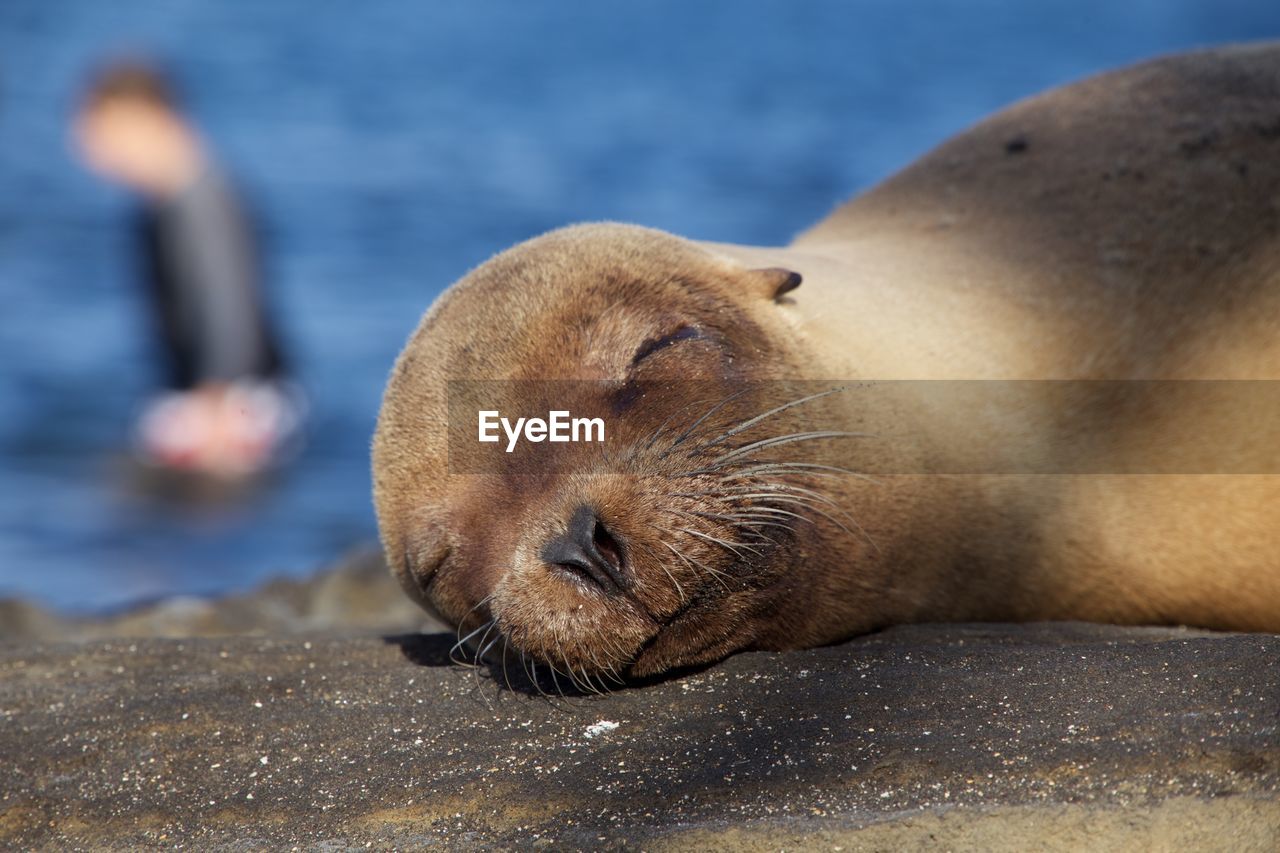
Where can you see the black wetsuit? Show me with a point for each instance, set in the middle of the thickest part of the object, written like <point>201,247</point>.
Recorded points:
<point>204,274</point>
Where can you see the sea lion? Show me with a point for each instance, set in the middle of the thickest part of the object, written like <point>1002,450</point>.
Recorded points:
<point>1122,228</point>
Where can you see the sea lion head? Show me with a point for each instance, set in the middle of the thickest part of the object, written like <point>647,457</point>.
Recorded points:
<point>666,545</point>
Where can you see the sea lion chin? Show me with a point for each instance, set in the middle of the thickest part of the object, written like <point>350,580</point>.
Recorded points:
<point>730,506</point>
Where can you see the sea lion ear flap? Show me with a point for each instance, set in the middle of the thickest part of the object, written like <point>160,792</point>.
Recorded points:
<point>775,282</point>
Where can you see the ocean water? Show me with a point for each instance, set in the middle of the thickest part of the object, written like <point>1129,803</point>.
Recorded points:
<point>389,147</point>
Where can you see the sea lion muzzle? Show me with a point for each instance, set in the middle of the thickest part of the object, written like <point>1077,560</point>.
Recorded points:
<point>588,552</point>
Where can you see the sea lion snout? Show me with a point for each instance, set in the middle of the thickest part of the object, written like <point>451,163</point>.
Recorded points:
<point>589,552</point>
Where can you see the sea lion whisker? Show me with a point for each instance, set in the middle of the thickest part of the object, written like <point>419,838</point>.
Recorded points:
<point>726,401</point>
<point>480,657</point>
<point>731,518</point>
<point>554,680</point>
<point>808,469</point>
<point>763,502</point>
<point>607,672</point>
<point>461,640</point>
<point>762,511</point>
<point>747,424</point>
<point>531,670</point>
<point>584,672</point>
<point>482,644</point>
<point>574,685</point>
<point>714,516</point>
<point>759,492</point>
<point>533,676</point>
<point>506,676</point>
<point>755,519</point>
<point>715,573</point>
<point>776,441</point>
<point>653,437</point>
<point>776,493</point>
<point>565,661</point>
<point>734,491</point>
<point>585,678</point>
<point>807,503</point>
<point>755,522</point>
<point>663,566</point>
<point>581,678</point>
<point>811,500</point>
<point>575,677</point>
<point>789,514</point>
<point>481,650</point>
<point>570,674</point>
<point>613,652</point>
<point>731,546</point>
<point>483,653</point>
<point>481,603</point>
<point>730,495</point>
<point>800,491</point>
<point>694,565</point>
<point>838,523</point>
<point>458,646</point>
<point>710,493</point>
<point>753,529</point>
<point>813,468</point>
<point>758,520</point>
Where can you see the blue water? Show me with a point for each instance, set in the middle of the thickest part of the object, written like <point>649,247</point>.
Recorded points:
<point>392,145</point>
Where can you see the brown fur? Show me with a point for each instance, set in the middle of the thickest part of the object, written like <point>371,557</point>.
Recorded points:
<point>1124,227</point>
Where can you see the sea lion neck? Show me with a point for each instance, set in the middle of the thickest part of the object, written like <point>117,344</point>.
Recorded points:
<point>892,293</point>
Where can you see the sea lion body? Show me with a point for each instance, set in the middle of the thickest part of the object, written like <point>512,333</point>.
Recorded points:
<point>1122,228</point>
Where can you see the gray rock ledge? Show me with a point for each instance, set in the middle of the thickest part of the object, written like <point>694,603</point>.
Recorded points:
<point>1047,736</point>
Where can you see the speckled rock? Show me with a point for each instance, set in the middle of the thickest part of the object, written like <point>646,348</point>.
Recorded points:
<point>1039,736</point>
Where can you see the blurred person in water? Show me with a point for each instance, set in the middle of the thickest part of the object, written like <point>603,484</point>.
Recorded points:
<point>228,408</point>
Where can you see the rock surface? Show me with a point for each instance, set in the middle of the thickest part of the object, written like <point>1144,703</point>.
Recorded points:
<point>356,594</point>
<point>1051,736</point>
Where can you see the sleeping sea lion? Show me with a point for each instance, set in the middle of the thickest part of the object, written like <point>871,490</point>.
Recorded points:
<point>1026,378</point>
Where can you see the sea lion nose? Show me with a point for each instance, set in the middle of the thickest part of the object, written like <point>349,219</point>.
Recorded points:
<point>588,550</point>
